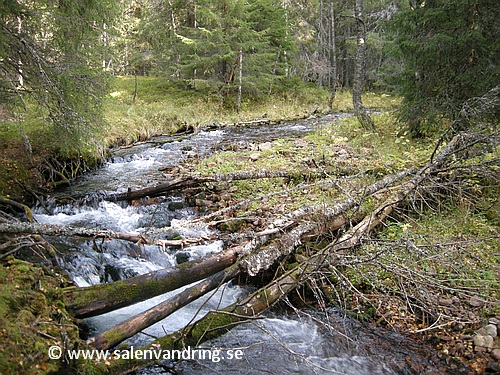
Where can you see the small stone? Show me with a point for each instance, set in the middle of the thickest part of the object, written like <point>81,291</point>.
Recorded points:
<point>460,348</point>
<point>494,321</point>
<point>173,206</point>
<point>489,329</point>
<point>300,143</point>
<point>480,341</point>
<point>479,349</point>
<point>265,146</point>
<point>182,257</point>
<point>255,156</point>
<point>475,301</point>
<point>455,299</point>
<point>495,354</point>
<point>493,368</point>
<point>445,302</point>
<point>490,341</point>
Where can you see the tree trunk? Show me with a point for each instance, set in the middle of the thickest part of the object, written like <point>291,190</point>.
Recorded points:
<point>130,327</point>
<point>102,298</point>
<point>359,73</point>
<point>240,78</point>
<point>333,52</point>
<point>215,323</point>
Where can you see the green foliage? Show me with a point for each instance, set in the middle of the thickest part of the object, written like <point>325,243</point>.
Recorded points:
<point>201,42</point>
<point>450,51</point>
<point>50,64</point>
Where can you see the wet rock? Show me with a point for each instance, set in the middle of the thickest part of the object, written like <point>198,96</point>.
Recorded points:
<point>475,301</point>
<point>182,257</point>
<point>173,206</point>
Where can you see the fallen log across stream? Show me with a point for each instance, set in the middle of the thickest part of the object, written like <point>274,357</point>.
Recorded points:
<point>265,251</point>
<point>190,181</point>
<point>219,322</point>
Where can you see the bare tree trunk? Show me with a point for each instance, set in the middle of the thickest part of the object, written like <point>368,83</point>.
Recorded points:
<point>333,52</point>
<point>240,78</point>
<point>359,73</point>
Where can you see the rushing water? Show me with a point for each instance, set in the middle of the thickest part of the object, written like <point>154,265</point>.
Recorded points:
<point>278,344</point>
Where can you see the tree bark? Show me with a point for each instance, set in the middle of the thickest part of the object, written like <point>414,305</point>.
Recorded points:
<point>130,327</point>
<point>359,73</point>
<point>216,323</point>
<point>333,52</point>
<point>102,298</point>
<point>61,230</point>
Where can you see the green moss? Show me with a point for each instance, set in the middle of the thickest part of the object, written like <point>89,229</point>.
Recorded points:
<point>31,319</point>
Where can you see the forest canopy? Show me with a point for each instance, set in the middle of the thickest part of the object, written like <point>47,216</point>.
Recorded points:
<point>57,55</point>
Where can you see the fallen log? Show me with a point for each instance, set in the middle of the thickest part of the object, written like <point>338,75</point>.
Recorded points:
<point>193,180</point>
<point>215,323</point>
<point>156,191</point>
<point>130,327</point>
<point>19,206</point>
<point>102,298</point>
<point>63,230</point>
<point>67,230</point>
<point>323,217</point>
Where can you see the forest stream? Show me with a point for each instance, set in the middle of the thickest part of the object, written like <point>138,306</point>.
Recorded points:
<point>302,342</point>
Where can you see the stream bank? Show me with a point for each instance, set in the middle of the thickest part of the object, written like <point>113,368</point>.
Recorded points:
<point>91,266</point>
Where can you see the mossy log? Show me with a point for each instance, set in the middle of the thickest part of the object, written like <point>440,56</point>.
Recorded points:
<point>131,326</point>
<point>215,323</point>
<point>102,298</point>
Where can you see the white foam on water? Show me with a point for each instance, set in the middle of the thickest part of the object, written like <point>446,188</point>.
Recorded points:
<point>220,298</point>
<point>108,215</point>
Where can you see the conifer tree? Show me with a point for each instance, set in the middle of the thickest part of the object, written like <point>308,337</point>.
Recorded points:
<point>450,51</point>
<point>51,57</point>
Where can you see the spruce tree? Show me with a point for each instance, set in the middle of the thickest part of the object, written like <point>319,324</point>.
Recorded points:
<point>450,51</point>
<point>51,58</point>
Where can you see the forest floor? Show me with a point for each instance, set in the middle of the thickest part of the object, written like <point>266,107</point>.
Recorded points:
<point>459,236</point>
